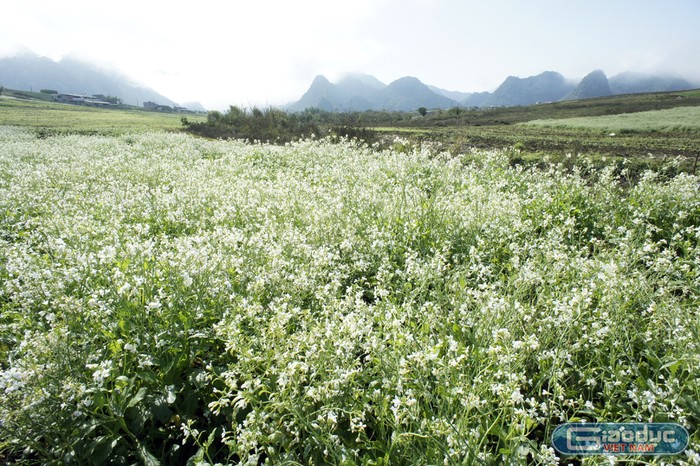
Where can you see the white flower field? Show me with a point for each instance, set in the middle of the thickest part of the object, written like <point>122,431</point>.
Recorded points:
<point>165,299</point>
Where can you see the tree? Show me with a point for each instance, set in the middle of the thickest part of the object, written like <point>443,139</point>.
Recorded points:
<point>256,124</point>
<point>110,98</point>
<point>1,89</point>
<point>423,111</point>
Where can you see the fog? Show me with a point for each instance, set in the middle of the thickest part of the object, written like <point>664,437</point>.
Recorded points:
<point>267,52</point>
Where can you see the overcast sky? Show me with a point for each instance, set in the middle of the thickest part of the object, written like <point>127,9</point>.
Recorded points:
<point>266,52</point>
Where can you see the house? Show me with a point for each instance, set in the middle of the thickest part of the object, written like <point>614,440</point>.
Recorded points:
<point>154,106</point>
<point>70,98</point>
<point>77,99</point>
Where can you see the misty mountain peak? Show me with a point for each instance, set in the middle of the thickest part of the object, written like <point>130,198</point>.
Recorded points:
<point>594,84</point>
<point>548,86</point>
<point>360,92</point>
<point>320,80</point>
<point>406,82</point>
<point>27,71</point>
<point>361,78</point>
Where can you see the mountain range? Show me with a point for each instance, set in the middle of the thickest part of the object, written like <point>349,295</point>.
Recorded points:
<point>353,92</point>
<point>28,71</point>
<point>359,92</point>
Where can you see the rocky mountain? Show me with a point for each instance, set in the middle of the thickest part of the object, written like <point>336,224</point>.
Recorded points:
<point>360,85</point>
<point>407,94</point>
<point>363,92</point>
<point>359,92</point>
<point>324,95</point>
<point>545,87</point>
<point>29,71</point>
<point>594,84</point>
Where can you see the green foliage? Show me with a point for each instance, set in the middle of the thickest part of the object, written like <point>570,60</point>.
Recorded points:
<point>269,125</point>
<point>170,299</point>
<point>423,111</point>
<point>365,135</point>
<point>49,91</point>
<point>110,98</point>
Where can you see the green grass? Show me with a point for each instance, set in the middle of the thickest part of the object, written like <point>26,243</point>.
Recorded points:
<point>167,299</point>
<point>649,129</point>
<point>56,118</point>
<point>670,120</point>
<point>629,103</point>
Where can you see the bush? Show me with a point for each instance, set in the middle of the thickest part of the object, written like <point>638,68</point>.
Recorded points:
<point>269,125</point>
<point>365,135</point>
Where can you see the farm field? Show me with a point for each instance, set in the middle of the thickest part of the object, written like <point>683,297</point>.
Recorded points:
<point>642,140</point>
<point>649,130</point>
<point>50,118</point>
<point>166,298</point>
<point>675,119</point>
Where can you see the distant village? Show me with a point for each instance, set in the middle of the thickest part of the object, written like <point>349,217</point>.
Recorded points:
<point>89,100</point>
<point>103,101</point>
<point>165,108</point>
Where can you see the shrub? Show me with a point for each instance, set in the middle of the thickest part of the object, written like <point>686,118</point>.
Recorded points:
<point>269,125</point>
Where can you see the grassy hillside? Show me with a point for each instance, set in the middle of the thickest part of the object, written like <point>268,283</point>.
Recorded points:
<point>674,119</point>
<point>55,117</point>
<point>612,105</point>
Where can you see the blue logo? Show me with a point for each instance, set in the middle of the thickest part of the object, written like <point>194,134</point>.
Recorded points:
<point>620,438</point>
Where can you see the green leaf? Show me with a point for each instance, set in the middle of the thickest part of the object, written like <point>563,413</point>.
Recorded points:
<point>162,413</point>
<point>140,395</point>
<point>197,458</point>
<point>673,366</point>
<point>210,439</point>
<point>146,456</point>
<point>121,382</point>
<point>103,448</point>
<point>147,376</point>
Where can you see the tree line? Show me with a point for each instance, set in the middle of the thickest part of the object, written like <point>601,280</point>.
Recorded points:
<point>264,125</point>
